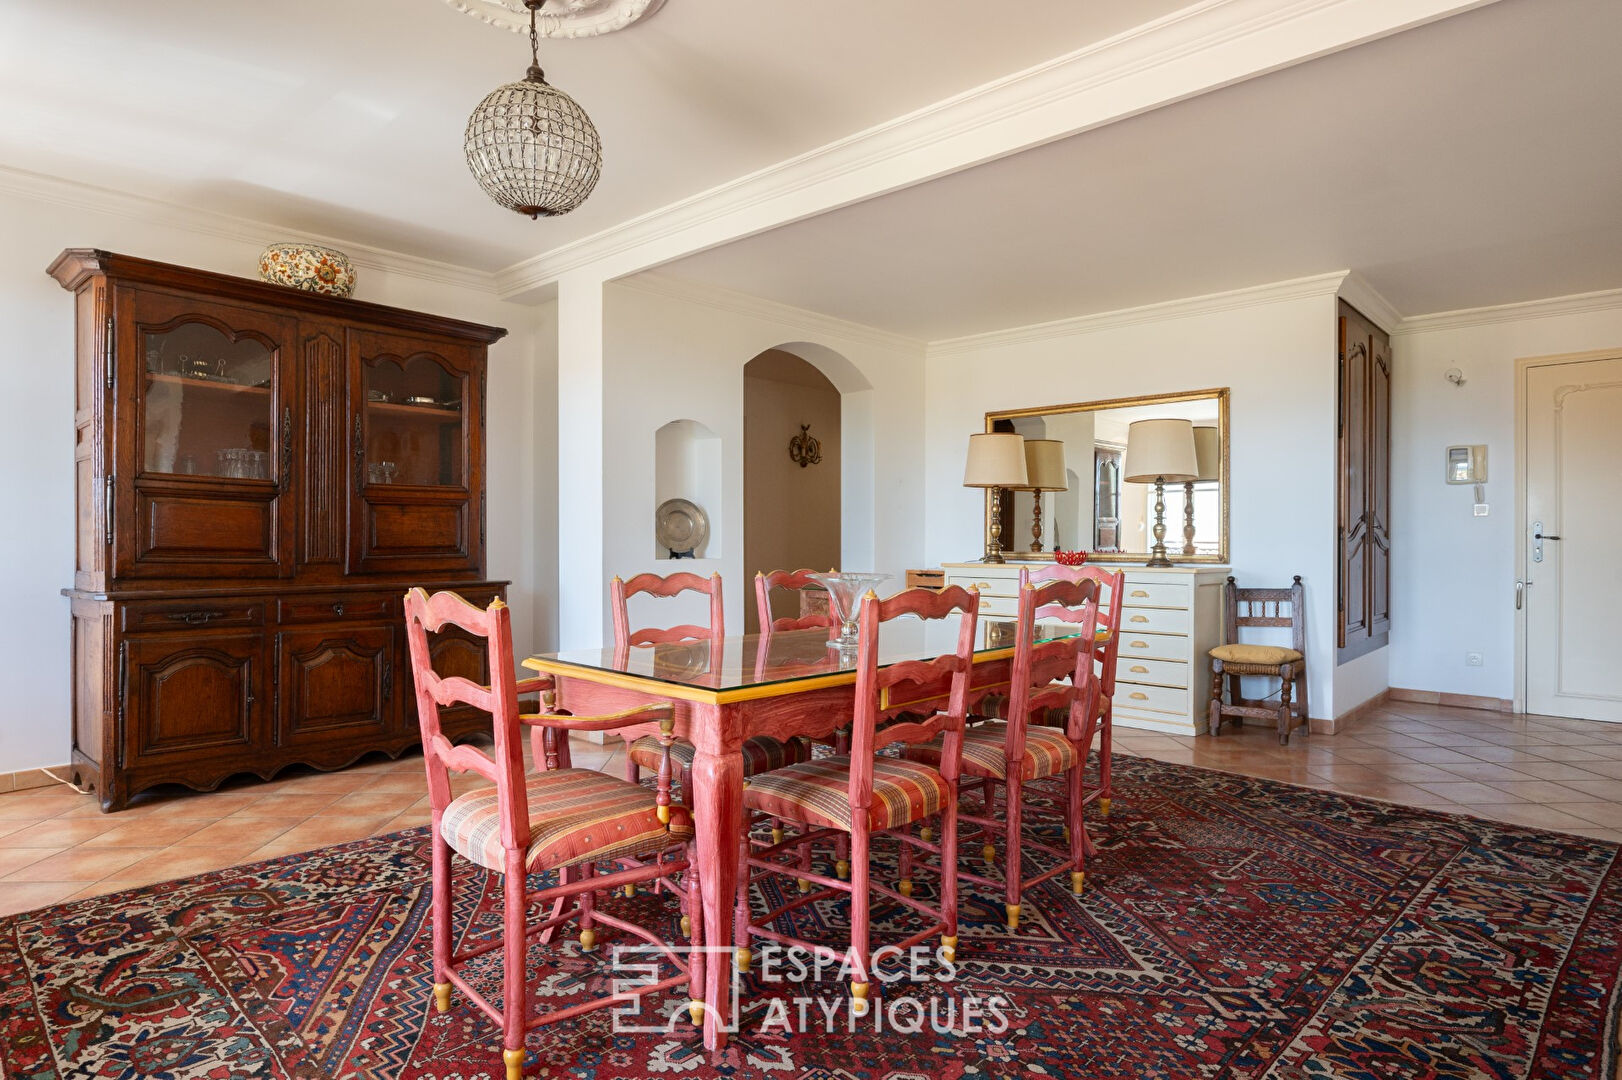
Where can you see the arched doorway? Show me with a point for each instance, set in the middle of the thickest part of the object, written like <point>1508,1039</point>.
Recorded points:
<point>792,510</point>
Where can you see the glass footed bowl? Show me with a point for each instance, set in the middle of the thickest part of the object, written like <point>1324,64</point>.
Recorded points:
<point>845,592</point>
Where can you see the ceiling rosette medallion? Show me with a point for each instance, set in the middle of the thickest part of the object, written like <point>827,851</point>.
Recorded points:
<point>561,18</point>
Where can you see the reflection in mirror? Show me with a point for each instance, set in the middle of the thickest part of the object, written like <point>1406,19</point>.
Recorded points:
<point>1095,509</point>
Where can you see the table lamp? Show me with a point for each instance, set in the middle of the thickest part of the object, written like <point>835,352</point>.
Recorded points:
<point>1158,451</point>
<point>1044,471</point>
<point>1208,456</point>
<point>996,461</point>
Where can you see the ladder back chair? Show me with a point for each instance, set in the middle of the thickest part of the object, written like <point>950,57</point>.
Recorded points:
<point>793,580</point>
<point>562,819</point>
<point>1049,678</point>
<point>861,795</point>
<point>1107,642</point>
<point>1262,607</point>
<point>760,752</point>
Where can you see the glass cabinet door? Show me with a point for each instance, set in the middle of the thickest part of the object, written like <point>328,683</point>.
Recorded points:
<point>414,423</point>
<point>417,475</point>
<point>209,442</point>
<point>207,408</point>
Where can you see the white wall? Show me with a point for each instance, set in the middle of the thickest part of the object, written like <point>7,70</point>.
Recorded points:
<point>668,354</point>
<point>1453,574</point>
<point>36,442</point>
<point>1278,359</point>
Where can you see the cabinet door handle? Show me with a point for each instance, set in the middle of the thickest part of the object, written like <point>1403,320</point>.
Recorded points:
<point>249,680</point>
<point>1139,618</point>
<point>360,456</point>
<point>1139,592</point>
<point>108,484</point>
<point>107,349</point>
<point>287,448</point>
<point>195,618</point>
<point>1139,669</point>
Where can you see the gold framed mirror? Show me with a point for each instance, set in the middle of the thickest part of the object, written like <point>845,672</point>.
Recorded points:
<point>1096,509</point>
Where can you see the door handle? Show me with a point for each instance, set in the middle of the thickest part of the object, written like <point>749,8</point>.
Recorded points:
<point>1545,536</point>
<point>1520,594</point>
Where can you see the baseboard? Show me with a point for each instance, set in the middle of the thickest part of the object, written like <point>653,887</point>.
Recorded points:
<point>1354,714</point>
<point>1455,701</point>
<point>32,778</point>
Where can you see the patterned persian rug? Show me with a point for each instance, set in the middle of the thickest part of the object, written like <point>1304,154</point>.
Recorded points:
<point>1231,928</point>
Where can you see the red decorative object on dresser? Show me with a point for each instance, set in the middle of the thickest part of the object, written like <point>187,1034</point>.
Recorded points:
<point>261,473</point>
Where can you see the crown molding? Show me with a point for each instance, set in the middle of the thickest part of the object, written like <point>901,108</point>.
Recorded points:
<point>814,324</point>
<point>1277,292</point>
<point>1553,307</point>
<point>1203,47</point>
<point>57,191</point>
<point>1357,291</point>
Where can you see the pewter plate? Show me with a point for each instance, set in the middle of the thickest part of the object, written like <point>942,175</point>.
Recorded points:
<point>680,525</point>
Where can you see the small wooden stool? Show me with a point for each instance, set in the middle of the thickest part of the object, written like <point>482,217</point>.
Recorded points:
<point>1262,607</point>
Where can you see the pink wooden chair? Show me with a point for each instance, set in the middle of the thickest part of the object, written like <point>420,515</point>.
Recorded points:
<point>1048,677</point>
<point>797,581</point>
<point>860,795</point>
<point>558,819</point>
<point>760,753</point>
<point>1108,641</point>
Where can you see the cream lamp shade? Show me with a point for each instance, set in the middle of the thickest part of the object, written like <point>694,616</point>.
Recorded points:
<point>1160,450</point>
<point>1044,465</point>
<point>1208,453</point>
<point>996,460</point>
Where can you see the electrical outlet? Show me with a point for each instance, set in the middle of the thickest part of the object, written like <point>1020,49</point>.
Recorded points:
<point>1473,659</point>
<point>1479,509</point>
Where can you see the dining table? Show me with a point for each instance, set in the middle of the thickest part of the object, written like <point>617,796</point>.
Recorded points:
<point>727,689</point>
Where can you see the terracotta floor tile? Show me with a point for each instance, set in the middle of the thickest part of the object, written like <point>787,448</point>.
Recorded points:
<point>1486,771</point>
<point>276,849</point>
<point>38,803</point>
<point>13,859</point>
<point>1598,789</point>
<point>1530,815</point>
<point>181,862</point>
<point>1467,792</point>
<point>288,806</point>
<point>1612,769</point>
<point>1556,770</point>
<point>371,804</point>
<point>82,864</point>
<point>320,832</point>
<point>242,834</point>
<point>1384,790</point>
<point>1437,755</point>
<point>106,886</point>
<point>20,896</point>
<point>1348,773</point>
<point>1543,791</point>
<point>1416,771</point>
<point>401,823</point>
<point>1578,754</point>
<point>1607,815</point>
<point>60,832</point>
<point>147,833</point>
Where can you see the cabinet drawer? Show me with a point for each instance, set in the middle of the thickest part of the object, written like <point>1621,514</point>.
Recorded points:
<point>1154,620</point>
<point>1151,698</point>
<point>1002,607</point>
<point>1156,594</point>
<point>1137,669</point>
<point>373,606</point>
<point>179,614</point>
<point>1152,647</point>
<point>989,585</point>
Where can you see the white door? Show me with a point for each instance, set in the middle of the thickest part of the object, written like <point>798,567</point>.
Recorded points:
<point>1573,528</point>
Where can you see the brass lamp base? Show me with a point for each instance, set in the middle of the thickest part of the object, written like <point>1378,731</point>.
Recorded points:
<point>1157,554</point>
<point>994,540</point>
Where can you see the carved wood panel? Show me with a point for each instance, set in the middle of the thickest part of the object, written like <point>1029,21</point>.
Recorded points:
<point>192,695</point>
<point>325,447</point>
<point>335,683</point>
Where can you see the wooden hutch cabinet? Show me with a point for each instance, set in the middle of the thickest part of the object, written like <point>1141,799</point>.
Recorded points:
<point>261,473</point>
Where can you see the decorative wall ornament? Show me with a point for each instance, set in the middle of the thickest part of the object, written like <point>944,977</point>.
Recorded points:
<point>561,18</point>
<point>530,146</point>
<point>805,449</point>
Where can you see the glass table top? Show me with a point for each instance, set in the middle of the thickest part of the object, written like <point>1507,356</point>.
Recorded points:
<point>785,656</point>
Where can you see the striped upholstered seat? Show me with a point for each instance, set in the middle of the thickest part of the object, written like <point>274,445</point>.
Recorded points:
<point>818,792</point>
<point>575,816</point>
<point>760,754</point>
<point>1047,752</point>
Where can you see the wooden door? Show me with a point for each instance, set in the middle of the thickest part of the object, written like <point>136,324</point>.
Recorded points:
<point>416,455</point>
<point>1356,334</point>
<point>336,684</point>
<point>1573,585</point>
<point>204,431</point>
<point>193,697</point>
<point>1379,485</point>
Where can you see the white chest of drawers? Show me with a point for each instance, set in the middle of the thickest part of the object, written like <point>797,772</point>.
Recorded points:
<point>1170,619</point>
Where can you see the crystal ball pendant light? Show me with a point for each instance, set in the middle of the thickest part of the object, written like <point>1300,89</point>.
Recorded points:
<point>530,146</point>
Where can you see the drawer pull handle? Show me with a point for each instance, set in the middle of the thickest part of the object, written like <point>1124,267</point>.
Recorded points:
<point>1138,644</point>
<point>981,585</point>
<point>1136,696</point>
<point>1139,669</point>
<point>1139,592</point>
<point>1139,618</point>
<point>195,618</point>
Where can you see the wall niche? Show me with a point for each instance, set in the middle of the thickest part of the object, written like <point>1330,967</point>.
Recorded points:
<point>687,465</point>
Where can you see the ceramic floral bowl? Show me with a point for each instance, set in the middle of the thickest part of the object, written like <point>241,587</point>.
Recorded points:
<point>309,267</point>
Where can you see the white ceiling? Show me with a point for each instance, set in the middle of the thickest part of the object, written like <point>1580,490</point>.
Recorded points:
<point>1472,162</point>
<point>345,117</point>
